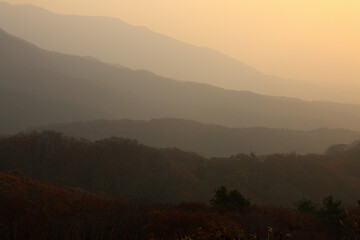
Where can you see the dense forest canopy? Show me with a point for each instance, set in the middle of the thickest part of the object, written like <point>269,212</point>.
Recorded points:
<point>124,168</point>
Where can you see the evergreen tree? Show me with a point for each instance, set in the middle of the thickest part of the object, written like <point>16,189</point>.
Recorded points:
<point>234,197</point>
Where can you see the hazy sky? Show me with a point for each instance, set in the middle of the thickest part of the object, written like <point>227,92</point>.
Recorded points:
<point>303,39</point>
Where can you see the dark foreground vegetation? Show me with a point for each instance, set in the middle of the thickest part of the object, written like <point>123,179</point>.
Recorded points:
<point>123,168</point>
<point>30,209</point>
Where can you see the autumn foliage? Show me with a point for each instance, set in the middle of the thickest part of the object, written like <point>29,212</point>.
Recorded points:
<point>137,192</point>
<point>30,209</point>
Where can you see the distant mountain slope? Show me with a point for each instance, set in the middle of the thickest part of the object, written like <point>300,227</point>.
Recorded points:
<point>112,40</point>
<point>18,111</point>
<point>209,140</point>
<point>122,93</point>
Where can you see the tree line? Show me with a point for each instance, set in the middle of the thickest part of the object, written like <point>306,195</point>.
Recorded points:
<point>126,169</point>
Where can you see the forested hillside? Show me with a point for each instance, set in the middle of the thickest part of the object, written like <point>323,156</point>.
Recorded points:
<point>31,209</point>
<point>124,168</point>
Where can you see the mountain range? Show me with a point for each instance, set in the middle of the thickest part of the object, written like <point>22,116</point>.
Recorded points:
<point>109,130</point>
<point>114,92</point>
<point>114,41</point>
<point>209,140</point>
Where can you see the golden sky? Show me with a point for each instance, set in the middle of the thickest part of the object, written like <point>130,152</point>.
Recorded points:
<point>302,39</point>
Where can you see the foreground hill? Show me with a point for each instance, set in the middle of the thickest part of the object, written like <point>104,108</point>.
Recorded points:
<point>112,40</point>
<point>122,93</point>
<point>126,169</point>
<point>209,140</point>
<point>35,210</point>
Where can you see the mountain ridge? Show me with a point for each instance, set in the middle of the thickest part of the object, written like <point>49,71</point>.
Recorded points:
<point>141,95</point>
<point>207,139</point>
<point>112,40</point>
